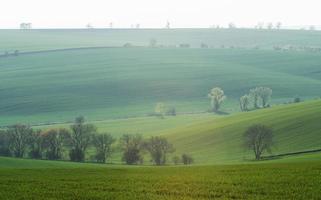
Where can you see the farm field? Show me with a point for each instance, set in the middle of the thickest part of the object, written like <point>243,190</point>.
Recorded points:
<point>214,139</point>
<point>118,83</point>
<point>290,180</point>
<point>58,75</point>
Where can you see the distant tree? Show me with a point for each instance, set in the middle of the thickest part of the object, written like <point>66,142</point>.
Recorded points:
<point>217,97</point>
<point>127,45</point>
<point>160,109</point>
<point>171,111</point>
<point>176,160</point>
<point>270,25</point>
<point>4,143</point>
<point>254,93</point>
<point>80,137</point>
<point>131,146</point>
<point>168,25</point>
<point>19,137</point>
<point>158,147</point>
<point>259,25</point>
<point>278,25</point>
<point>36,143</point>
<point>297,100</point>
<point>102,143</point>
<point>204,46</point>
<point>258,138</point>
<point>187,159</point>
<point>54,141</point>
<point>16,53</point>
<point>312,28</point>
<point>245,102</point>
<point>153,43</point>
<point>265,94</point>
<point>231,25</point>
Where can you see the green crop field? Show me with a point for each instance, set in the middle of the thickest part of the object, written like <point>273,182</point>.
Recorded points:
<point>61,74</point>
<point>127,82</point>
<point>290,180</point>
<point>218,139</point>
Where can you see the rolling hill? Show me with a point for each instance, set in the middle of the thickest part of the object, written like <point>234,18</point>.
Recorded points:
<point>296,128</point>
<point>49,39</point>
<point>111,83</point>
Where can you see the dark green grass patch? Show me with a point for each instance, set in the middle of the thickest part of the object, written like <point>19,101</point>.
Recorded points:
<point>266,181</point>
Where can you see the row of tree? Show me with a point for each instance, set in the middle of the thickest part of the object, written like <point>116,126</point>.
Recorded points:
<point>260,97</point>
<point>23,141</point>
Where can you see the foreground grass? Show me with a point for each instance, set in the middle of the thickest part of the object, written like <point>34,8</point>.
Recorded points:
<point>263,181</point>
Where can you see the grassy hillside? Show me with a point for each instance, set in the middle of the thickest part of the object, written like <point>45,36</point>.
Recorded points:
<point>263,181</point>
<point>35,40</point>
<point>296,128</point>
<point>127,82</point>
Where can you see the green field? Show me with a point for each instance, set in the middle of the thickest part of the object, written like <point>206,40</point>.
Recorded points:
<point>214,139</point>
<point>128,82</point>
<point>61,74</point>
<point>84,181</point>
<point>37,40</point>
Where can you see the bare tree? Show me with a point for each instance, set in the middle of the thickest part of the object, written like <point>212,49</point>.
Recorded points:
<point>255,95</point>
<point>131,146</point>
<point>160,110</point>
<point>187,159</point>
<point>270,25</point>
<point>231,25</point>
<point>278,25</point>
<point>258,138</point>
<point>245,102</point>
<point>80,137</point>
<point>36,142</point>
<point>19,137</point>
<point>158,147</point>
<point>153,43</point>
<point>265,94</point>
<point>103,143</point>
<point>4,143</point>
<point>54,141</point>
<point>217,97</point>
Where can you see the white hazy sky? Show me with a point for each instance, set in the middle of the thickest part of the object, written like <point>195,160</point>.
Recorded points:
<point>155,13</point>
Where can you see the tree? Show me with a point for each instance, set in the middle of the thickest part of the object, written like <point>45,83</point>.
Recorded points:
<point>160,109</point>
<point>36,142</point>
<point>171,111</point>
<point>244,102</point>
<point>158,147</point>
<point>187,159</point>
<point>4,143</point>
<point>131,146</point>
<point>258,138</point>
<point>270,26</point>
<point>217,97</point>
<point>176,160</point>
<point>255,95</point>
<point>231,25</point>
<point>278,25</point>
<point>81,134</point>
<point>19,137</point>
<point>54,141</point>
<point>265,94</point>
<point>102,143</point>
<point>153,43</point>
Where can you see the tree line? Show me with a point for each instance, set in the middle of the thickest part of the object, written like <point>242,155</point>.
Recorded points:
<point>259,97</point>
<point>22,141</point>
